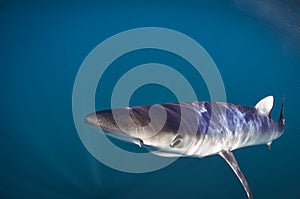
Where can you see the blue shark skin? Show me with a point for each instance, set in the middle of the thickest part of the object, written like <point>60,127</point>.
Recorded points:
<point>195,129</point>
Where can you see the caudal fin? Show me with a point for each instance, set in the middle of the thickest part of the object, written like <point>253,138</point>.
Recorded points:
<point>282,119</point>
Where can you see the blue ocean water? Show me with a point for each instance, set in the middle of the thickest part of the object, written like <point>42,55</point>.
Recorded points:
<point>255,45</point>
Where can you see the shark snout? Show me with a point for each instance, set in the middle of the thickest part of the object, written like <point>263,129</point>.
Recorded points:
<point>103,119</point>
<point>92,119</point>
<point>106,121</point>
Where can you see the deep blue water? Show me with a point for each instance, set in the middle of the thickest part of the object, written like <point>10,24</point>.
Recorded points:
<point>256,46</point>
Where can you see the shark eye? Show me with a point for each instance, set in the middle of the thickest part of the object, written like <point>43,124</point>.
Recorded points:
<point>177,140</point>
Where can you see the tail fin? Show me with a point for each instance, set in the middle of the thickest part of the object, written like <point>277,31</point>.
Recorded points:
<point>281,119</point>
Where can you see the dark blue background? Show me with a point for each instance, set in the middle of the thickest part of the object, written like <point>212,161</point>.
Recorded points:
<point>255,45</point>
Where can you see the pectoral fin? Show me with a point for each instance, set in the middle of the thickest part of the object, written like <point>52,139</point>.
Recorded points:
<point>230,159</point>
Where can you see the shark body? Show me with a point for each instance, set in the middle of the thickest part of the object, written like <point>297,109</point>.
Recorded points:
<point>194,129</point>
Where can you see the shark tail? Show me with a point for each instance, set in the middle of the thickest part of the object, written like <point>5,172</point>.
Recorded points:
<point>282,119</point>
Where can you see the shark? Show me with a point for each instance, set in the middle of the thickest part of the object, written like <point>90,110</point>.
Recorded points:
<point>194,129</point>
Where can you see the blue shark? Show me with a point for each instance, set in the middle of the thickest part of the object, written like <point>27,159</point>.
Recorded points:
<point>195,129</point>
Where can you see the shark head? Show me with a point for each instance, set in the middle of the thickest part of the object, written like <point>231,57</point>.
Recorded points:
<point>156,127</point>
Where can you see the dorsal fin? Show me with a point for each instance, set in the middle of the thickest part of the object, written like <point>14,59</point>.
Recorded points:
<point>265,105</point>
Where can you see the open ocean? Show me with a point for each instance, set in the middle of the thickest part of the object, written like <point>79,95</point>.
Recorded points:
<point>254,44</point>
